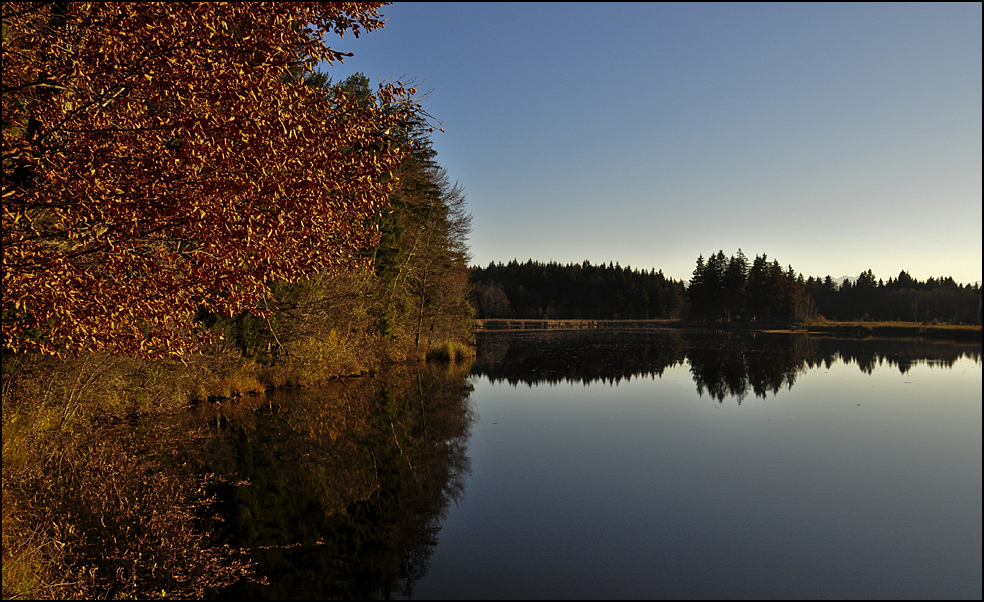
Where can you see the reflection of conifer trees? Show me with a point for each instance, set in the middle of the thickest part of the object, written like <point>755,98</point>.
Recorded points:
<point>577,356</point>
<point>720,372</point>
<point>722,364</point>
<point>346,490</point>
<point>734,365</point>
<point>901,353</point>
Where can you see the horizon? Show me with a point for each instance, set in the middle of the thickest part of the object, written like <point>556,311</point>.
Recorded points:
<point>838,279</point>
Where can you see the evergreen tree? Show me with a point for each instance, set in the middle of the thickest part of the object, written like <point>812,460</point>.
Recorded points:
<point>735,280</point>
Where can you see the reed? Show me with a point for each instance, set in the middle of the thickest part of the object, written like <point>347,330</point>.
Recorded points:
<point>451,351</point>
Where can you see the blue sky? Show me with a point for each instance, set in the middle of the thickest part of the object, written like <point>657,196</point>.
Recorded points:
<point>835,138</point>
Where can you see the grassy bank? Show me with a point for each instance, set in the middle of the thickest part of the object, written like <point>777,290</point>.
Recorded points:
<point>105,494</point>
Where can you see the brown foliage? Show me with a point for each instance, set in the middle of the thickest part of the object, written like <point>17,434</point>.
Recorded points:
<point>162,158</point>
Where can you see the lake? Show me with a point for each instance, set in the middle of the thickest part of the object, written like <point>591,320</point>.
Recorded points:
<point>600,464</point>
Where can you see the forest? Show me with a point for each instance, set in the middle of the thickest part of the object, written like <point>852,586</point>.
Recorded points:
<point>902,298</point>
<point>722,289</point>
<point>574,291</point>
<point>728,289</point>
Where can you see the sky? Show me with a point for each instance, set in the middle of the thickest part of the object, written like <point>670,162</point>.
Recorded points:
<point>833,138</point>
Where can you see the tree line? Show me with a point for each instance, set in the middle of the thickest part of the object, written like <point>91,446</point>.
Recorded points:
<point>574,291</point>
<point>903,298</point>
<point>722,289</point>
<point>728,289</point>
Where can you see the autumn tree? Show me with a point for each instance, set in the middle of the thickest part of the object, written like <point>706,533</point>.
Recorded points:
<point>411,292</point>
<point>160,159</point>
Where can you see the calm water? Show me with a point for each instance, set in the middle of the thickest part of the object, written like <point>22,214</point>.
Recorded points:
<point>657,465</point>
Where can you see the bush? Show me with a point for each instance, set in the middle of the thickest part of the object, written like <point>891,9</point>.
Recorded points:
<point>450,351</point>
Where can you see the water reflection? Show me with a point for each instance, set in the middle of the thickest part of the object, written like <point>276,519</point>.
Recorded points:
<point>723,365</point>
<point>340,492</point>
<point>862,481</point>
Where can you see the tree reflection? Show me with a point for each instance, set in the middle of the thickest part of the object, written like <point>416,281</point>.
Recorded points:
<point>723,364</point>
<point>732,365</point>
<point>340,493</point>
<point>553,357</point>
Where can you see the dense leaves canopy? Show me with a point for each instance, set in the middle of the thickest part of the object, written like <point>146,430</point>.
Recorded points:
<point>164,158</point>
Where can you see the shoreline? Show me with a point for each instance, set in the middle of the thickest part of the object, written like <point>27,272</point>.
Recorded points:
<point>958,332</point>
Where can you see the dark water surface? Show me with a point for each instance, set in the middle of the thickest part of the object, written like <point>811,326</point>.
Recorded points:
<point>634,464</point>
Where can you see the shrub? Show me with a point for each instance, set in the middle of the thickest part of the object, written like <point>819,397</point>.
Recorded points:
<point>450,351</point>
